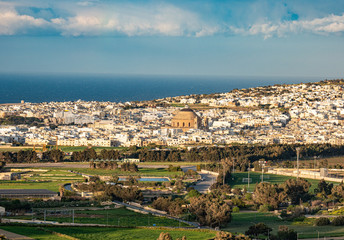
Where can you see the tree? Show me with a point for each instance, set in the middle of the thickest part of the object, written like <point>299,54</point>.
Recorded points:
<point>322,221</point>
<point>338,191</point>
<point>210,210</point>
<point>257,229</point>
<point>296,190</point>
<point>267,193</point>
<point>324,187</point>
<point>284,233</point>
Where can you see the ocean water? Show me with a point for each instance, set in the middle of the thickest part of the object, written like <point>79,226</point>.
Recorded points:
<point>121,88</point>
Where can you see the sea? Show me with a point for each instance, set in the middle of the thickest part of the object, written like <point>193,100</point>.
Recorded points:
<point>122,88</point>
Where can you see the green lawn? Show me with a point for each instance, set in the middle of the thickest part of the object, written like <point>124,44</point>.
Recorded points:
<point>33,232</point>
<point>116,217</point>
<point>50,185</point>
<point>95,233</point>
<point>272,178</point>
<point>241,222</point>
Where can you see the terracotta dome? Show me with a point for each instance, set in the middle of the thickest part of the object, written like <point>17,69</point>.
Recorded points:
<point>185,114</point>
<point>186,119</point>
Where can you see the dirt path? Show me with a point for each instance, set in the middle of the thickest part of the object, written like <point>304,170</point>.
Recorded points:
<point>14,236</point>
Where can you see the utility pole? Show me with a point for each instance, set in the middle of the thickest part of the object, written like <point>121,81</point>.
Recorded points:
<point>297,161</point>
<point>248,179</point>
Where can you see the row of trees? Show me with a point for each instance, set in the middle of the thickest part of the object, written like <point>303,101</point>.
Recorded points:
<point>241,155</point>
<point>29,156</point>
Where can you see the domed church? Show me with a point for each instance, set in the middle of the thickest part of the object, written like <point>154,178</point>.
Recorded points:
<point>186,119</point>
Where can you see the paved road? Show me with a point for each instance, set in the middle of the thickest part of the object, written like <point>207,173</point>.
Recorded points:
<point>156,213</point>
<point>207,180</point>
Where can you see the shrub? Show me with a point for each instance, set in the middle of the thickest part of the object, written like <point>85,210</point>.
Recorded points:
<point>265,208</point>
<point>238,202</point>
<point>248,196</point>
<point>323,221</point>
<point>236,209</point>
<point>338,221</point>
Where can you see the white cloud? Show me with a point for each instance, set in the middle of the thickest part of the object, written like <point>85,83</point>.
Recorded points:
<point>326,25</point>
<point>96,18</point>
<point>123,19</point>
<point>12,23</point>
<point>165,20</point>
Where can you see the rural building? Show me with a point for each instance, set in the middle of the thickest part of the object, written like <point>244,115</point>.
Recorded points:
<point>9,176</point>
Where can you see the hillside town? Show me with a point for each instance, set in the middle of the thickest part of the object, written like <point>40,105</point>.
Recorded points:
<point>285,114</point>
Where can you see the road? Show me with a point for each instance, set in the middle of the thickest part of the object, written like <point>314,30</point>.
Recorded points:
<point>207,180</point>
<point>194,224</point>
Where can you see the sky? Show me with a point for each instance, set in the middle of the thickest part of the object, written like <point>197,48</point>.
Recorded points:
<point>181,37</point>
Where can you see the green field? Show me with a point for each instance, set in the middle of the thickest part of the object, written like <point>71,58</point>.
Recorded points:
<point>156,172</point>
<point>116,217</point>
<point>51,180</point>
<point>55,177</point>
<point>33,232</point>
<point>272,178</point>
<point>16,149</point>
<point>97,233</point>
<point>241,222</point>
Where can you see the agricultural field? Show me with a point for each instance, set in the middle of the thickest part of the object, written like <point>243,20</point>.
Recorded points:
<point>238,181</point>
<point>116,217</point>
<point>97,233</point>
<point>156,172</point>
<point>50,179</point>
<point>306,229</point>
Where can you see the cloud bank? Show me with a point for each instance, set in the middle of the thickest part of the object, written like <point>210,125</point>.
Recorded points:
<point>326,25</point>
<point>93,18</point>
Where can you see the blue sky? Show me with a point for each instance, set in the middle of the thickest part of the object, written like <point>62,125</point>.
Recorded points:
<point>181,37</point>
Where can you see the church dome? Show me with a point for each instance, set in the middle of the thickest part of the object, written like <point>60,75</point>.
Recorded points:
<point>185,114</point>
